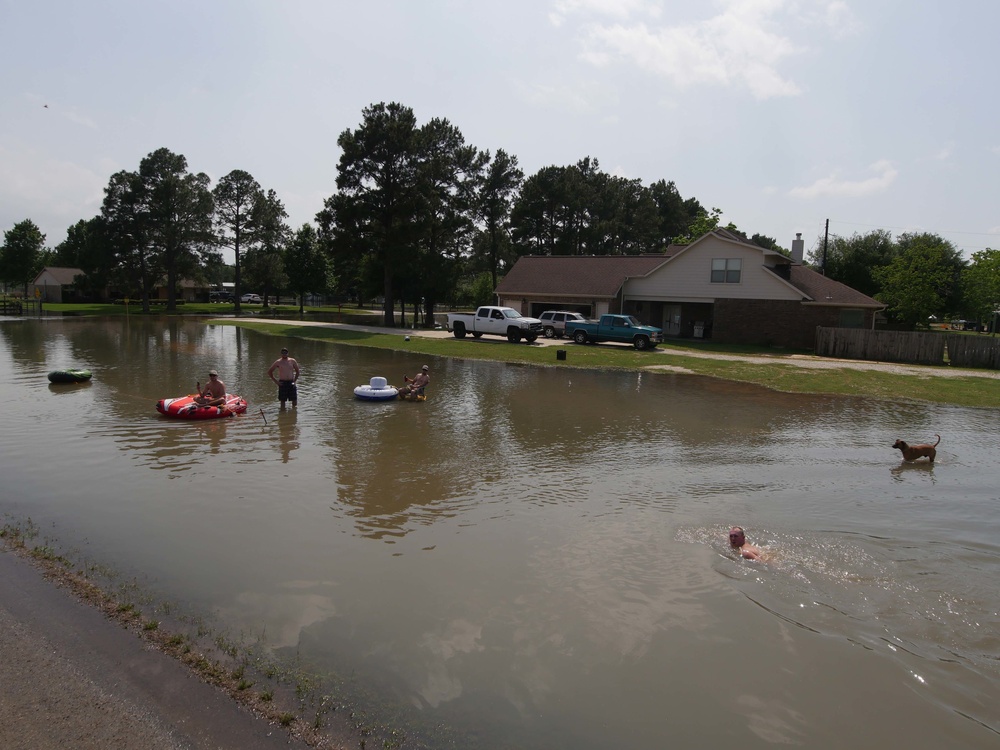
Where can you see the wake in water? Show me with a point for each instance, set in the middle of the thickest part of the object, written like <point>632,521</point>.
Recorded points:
<point>927,606</point>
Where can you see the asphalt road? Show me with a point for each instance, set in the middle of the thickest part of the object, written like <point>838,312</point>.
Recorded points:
<point>71,678</point>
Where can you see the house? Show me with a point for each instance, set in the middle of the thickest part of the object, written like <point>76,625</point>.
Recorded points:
<point>720,286</point>
<point>56,284</point>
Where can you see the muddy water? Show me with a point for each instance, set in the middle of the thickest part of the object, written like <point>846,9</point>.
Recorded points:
<point>535,557</point>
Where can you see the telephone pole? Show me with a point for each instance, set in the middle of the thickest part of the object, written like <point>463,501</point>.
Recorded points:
<point>826,237</point>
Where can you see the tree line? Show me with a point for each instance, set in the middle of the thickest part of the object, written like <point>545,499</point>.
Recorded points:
<point>420,218</point>
<point>918,275</point>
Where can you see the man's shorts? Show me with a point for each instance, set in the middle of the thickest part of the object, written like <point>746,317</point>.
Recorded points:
<point>287,391</point>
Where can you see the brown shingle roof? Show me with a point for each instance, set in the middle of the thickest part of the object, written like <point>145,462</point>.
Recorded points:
<point>823,290</point>
<point>592,275</point>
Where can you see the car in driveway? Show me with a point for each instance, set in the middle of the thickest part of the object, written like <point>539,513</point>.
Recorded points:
<point>251,298</point>
<point>220,296</point>
<point>554,322</point>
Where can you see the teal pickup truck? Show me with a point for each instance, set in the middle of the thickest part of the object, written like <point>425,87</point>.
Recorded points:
<point>625,329</point>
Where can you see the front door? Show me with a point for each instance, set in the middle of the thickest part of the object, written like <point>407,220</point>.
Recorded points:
<point>671,320</point>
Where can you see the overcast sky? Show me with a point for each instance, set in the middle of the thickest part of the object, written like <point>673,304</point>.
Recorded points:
<point>782,113</point>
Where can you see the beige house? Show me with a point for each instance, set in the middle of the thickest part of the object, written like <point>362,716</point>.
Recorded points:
<point>720,287</point>
<point>55,284</point>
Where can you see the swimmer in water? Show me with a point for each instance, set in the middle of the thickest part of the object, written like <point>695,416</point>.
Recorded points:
<point>738,540</point>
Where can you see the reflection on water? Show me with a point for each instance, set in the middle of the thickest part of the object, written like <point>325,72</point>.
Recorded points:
<point>535,557</point>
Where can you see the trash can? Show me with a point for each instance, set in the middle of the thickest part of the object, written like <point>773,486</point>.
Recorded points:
<point>699,330</point>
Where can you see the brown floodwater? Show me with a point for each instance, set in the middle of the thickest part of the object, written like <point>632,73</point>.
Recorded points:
<point>534,557</point>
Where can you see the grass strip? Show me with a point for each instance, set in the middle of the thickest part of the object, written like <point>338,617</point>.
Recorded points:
<point>782,373</point>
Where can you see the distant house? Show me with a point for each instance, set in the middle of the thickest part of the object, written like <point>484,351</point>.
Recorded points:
<point>720,287</point>
<point>56,284</point>
<point>188,290</point>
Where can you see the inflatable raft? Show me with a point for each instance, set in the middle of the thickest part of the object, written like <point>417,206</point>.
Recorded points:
<point>184,407</point>
<point>69,376</point>
<point>376,390</point>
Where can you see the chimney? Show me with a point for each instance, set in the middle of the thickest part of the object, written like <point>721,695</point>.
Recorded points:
<point>798,246</point>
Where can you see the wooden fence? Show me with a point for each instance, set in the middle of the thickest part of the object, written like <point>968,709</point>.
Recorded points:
<point>909,347</point>
<point>973,351</point>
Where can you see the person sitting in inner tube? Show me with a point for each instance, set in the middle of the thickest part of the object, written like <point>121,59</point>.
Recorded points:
<point>417,383</point>
<point>214,393</point>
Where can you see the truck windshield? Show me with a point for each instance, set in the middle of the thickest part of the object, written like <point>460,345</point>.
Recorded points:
<point>633,320</point>
<point>511,313</point>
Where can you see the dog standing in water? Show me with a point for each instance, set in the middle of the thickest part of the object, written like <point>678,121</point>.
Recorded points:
<point>913,452</point>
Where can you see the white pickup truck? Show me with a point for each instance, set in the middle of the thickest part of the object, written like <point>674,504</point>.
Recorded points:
<point>500,321</point>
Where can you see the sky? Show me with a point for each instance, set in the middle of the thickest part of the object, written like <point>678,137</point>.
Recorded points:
<point>784,114</point>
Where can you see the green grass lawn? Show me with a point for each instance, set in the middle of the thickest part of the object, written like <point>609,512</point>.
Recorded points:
<point>781,374</point>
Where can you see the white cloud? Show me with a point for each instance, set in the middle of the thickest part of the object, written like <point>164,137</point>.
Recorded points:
<point>945,152</point>
<point>28,179</point>
<point>578,99</point>
<point>840,19</point>
<point>885,175</point>
<point>743,45</point>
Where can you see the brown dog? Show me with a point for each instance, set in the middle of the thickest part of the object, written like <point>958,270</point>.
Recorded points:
<point>913,452</point>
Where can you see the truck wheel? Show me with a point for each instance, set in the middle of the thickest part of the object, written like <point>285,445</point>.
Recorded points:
<point>459,331</point>
<point>641,342</point>
<point>549,332</point>
<point>477,335</point>
<point>580,337</point>
<point>530,337</point>
<point>513,335</point>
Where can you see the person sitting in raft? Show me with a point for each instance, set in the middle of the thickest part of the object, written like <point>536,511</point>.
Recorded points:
<point>738,541</point>
<point>417,383</point>
<point>214,393</point>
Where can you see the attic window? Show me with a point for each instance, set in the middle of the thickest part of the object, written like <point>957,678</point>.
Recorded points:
<point>726,270</point>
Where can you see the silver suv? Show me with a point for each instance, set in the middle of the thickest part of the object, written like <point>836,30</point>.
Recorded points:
<point>554,322</point>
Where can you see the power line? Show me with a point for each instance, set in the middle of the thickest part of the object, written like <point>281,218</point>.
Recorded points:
<point>938,232</point>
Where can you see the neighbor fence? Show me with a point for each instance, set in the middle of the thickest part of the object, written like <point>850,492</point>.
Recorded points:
<point>910,347</point>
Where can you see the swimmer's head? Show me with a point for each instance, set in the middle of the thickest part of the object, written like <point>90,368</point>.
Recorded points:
<point>736,536</point>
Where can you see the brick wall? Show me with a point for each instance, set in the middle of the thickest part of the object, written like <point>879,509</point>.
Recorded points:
<point>772,322</point>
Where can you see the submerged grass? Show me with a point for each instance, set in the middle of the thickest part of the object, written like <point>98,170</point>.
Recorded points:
<point>284,694</point>
<point>780,372</point>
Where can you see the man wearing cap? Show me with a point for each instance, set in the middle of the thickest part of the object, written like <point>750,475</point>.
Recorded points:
<point>288,373</point>
<point>214,393</point>
<point>417,383</point>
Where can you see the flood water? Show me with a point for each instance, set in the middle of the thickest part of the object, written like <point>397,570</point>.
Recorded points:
<point>535,557</point>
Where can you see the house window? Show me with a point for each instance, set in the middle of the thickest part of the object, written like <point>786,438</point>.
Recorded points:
<point>726,270</point>
<point>852,318</point>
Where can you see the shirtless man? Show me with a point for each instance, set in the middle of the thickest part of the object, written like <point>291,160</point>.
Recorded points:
<point>416,383</point>
<point>288,373</point>
<point>738,540</point>
<point>214,393</point>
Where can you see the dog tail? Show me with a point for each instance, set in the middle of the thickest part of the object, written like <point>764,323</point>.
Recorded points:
<point>938,439</point>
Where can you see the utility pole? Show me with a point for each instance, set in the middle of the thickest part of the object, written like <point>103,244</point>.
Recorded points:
<point>826,236</point>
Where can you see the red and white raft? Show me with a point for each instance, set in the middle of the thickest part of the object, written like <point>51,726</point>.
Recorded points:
<point>184,407</point>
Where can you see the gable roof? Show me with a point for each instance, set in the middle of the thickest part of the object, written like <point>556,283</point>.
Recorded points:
<point>61,275</point>
<point>576,275</point>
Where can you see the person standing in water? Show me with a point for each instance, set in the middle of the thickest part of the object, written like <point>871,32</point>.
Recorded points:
<point>288,373</point>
